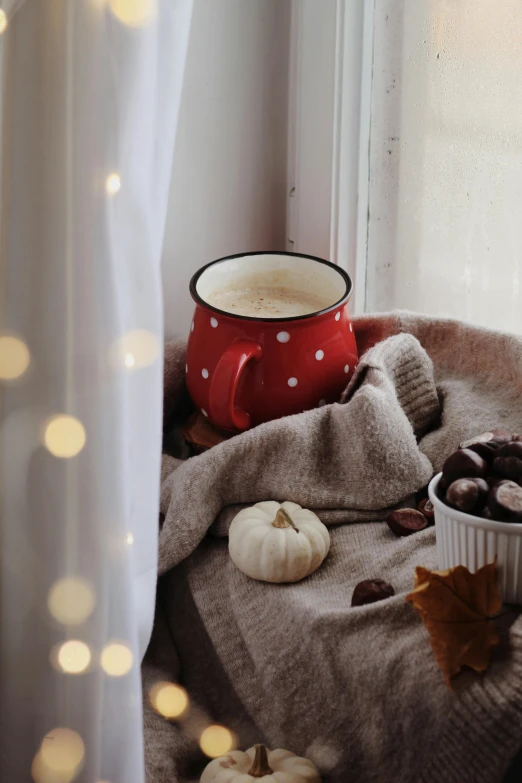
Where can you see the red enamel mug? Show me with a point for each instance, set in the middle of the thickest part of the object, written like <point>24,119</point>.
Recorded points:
<point>243,370</point>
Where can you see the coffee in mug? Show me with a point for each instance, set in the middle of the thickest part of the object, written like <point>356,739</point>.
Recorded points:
<point>260,301</point>
<point>261,297</point>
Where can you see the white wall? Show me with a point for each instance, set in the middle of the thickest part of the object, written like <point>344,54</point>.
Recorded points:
<point>228,189</point>
<point>311,143</point>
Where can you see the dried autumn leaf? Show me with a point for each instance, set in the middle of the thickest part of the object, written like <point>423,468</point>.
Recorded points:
<point>456,607</point>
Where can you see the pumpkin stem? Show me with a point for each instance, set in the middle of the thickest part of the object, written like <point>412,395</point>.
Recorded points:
<point>282,520</point>
<point>260,766</point>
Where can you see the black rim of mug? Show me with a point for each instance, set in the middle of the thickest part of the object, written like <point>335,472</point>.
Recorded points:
<point>199,300</point>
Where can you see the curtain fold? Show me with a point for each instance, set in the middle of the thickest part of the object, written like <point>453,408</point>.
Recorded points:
<point>90,91</point>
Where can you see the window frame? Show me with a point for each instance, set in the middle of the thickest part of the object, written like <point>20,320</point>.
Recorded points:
<point>330,94</point>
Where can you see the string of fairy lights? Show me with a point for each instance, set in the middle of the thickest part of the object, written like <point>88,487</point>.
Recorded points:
<point>71,600</point>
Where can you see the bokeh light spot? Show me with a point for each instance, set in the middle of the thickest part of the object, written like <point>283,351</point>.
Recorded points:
<point>14,357</point>
<point>62,752</point>
<point>40,773</point>
<point>113,184</point>
<point>135,13</point>
<point>71,600</point>
<point>3,21</point>
<point>116,659</point>
<point>129,538</point>
<point>169,700</point>
<point>64,436</point>
<point>215,741</point>
<point>71,657</point>
<point>43,774</point>
<point>136,349</point>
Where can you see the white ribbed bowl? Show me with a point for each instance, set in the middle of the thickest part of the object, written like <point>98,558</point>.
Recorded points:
<point>463,539</point>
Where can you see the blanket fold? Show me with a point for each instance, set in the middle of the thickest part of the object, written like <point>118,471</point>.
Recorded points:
<point>356,690</point>
<point>362,455</point>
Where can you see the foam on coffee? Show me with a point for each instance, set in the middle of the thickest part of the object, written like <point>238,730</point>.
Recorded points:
<point>266,301</point>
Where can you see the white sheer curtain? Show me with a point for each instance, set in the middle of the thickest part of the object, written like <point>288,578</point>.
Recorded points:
<point>90,91</point>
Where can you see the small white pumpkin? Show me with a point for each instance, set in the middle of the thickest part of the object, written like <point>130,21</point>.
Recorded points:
<point>258,763</point>
<point>277,542</point>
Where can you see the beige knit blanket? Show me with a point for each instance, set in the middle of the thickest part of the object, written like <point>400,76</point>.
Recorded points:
<point>356,690</point>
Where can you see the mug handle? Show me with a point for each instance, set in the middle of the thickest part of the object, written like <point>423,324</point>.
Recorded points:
<point>225,378</point>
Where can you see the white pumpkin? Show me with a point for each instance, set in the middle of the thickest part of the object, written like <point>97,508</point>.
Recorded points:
<point>277,542</point>
<point>258,763</point>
